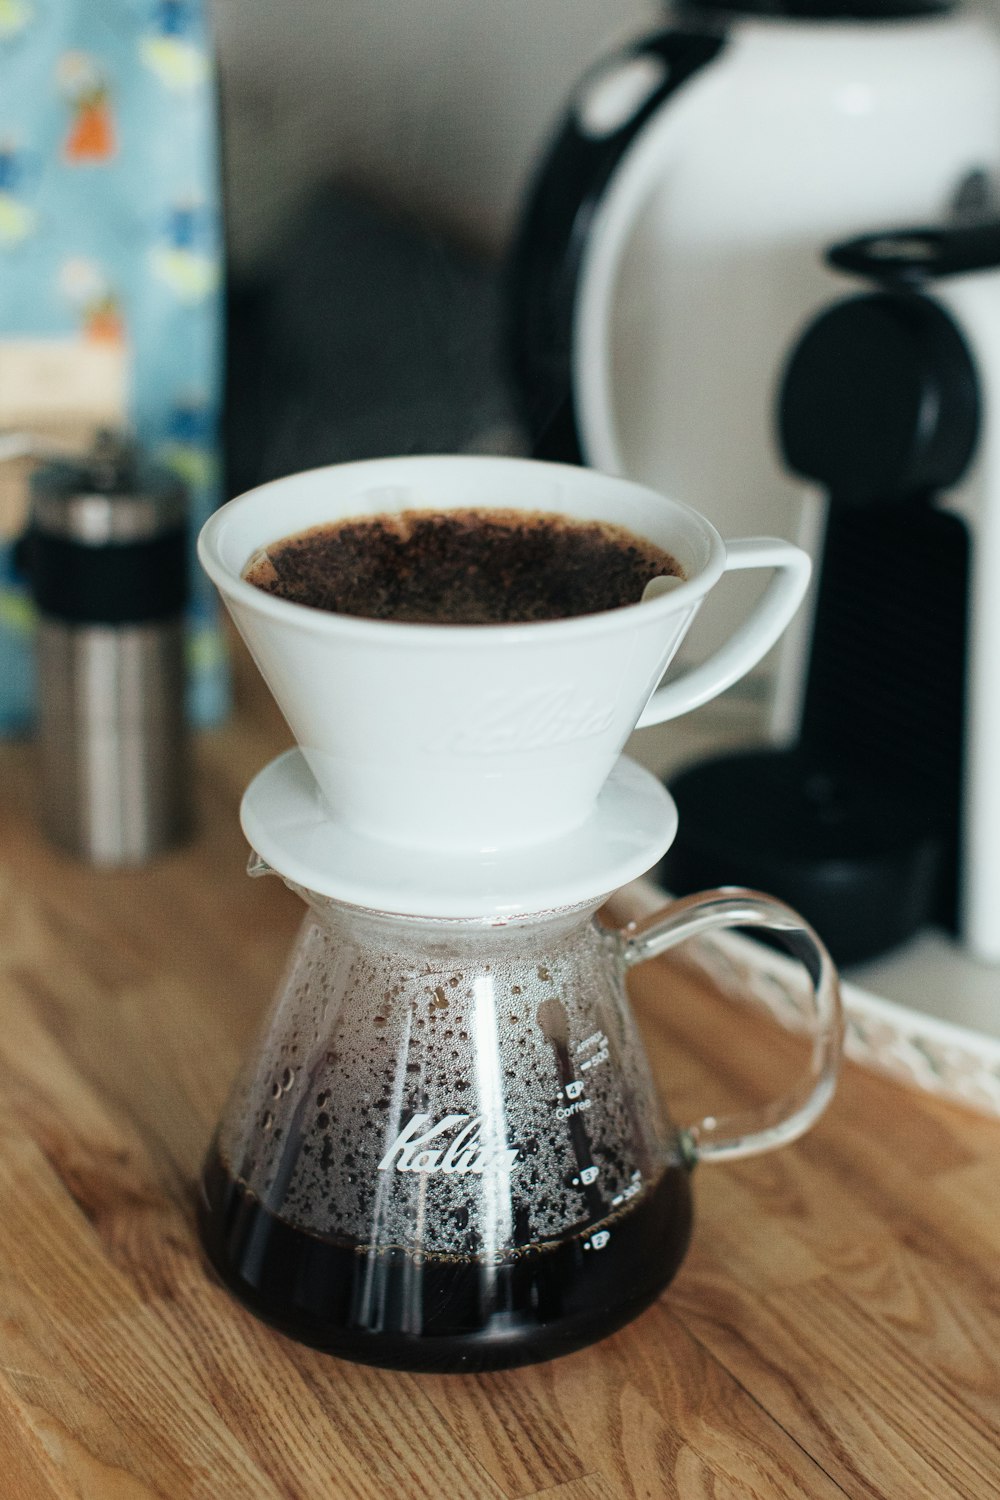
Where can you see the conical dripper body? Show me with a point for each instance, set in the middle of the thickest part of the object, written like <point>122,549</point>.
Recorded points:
<point>458,738</point>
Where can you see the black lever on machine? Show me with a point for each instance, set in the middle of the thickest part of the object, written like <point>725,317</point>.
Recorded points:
<point>859,824</point>
<point>912,257</point>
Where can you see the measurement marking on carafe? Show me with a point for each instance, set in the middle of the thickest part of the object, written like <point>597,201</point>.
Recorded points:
<point>574,1092</point>
<point>597,1241</point>
<point>628,1192</point>
<point>592,1062</point>
<point>565,1111</point>
<point>587,1176</point>
<point>598,1041</point>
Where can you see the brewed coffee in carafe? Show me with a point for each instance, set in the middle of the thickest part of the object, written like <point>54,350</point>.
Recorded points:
<point>449,1151</point>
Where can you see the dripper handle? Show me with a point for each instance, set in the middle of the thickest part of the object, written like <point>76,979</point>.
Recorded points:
<point>777,1124</point>
<point>751,641</point>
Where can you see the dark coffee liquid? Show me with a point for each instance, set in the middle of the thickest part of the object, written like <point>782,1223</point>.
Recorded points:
<point>462,567</point>
<point>403,1311</point>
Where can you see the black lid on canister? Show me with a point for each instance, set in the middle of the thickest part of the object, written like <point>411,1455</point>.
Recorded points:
<point>107,538</point>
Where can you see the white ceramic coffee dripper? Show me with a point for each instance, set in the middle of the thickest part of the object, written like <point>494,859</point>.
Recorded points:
<point>460,739</point>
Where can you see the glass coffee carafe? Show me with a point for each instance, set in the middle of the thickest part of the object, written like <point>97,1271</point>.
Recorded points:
<point>448,1151</point>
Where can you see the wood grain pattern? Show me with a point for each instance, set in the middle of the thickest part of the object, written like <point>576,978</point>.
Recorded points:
<point>835,1330</point>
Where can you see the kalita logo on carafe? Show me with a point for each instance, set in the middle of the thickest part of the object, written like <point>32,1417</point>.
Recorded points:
<point>452,1145</point>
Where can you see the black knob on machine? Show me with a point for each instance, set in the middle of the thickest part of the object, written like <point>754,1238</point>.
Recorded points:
<point>879,400</point>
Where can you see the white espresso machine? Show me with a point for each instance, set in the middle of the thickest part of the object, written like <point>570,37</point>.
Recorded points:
<point>673,242</point>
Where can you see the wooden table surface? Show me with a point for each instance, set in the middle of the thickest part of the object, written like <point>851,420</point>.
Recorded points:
<point>834,1331</point>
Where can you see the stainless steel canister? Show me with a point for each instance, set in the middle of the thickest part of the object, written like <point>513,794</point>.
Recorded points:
<point>107,559</point>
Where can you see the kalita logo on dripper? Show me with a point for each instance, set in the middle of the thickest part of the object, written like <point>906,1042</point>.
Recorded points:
<point>553,714</point>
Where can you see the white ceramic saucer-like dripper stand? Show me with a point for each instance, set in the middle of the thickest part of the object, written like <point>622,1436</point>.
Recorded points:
<point>290,826</point>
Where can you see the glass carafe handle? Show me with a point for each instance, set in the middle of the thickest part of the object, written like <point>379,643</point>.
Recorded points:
<point>776,1124</point>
